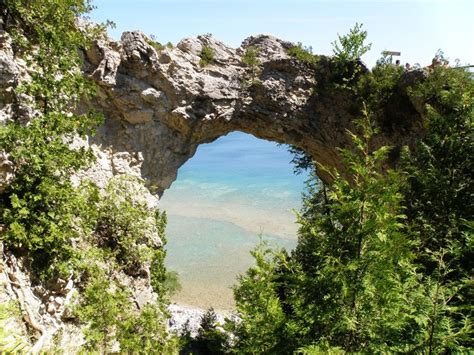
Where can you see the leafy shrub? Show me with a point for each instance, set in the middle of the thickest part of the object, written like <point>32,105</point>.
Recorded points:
<point>351,46</point>
<point>440,204</point>
<point>126,225</point>
<point>377,86</point>
<point>361,279</point>
<point>103,307</point>
<point>107,310</point>
<point>263,320</point>
<point>41,209</point>
<point>157,45</point>
<point>302,53</point>
<point>250,57</point>
<point>207,56</point>
<point>145,333</point>
<point>63,228</point>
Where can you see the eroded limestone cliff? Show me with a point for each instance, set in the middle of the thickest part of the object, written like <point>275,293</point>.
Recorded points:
<point>161,104</point>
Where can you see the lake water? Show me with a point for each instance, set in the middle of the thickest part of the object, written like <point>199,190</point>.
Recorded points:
<point>233,192</point>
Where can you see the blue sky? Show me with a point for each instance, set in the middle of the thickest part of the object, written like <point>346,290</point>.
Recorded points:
<point>417,28</point>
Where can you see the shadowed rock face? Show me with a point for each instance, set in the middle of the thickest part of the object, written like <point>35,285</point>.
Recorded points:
<point>161,104</point>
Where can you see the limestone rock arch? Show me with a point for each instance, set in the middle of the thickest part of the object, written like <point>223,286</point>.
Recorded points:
<point>161,104</point>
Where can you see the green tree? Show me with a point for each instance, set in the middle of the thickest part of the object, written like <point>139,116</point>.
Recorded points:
<point>439,200</point>
<point>66,229</point>
<point>354,282</point>
<point>39,209</point>
<point>263,321</point>
<point>351,46</point>
<point>104,305</point>
<point>210,339</point>
<point>354,257</point>
<point>145,333</point>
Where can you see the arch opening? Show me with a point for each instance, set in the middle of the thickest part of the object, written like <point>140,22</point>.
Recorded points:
<point>232,191</point>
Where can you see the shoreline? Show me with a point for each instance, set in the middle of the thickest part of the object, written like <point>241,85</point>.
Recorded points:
<point>184,316</point>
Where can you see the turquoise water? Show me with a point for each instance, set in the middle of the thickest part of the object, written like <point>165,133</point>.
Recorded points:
<point>233,192</point>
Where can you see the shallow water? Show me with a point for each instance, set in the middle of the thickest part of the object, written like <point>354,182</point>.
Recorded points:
<point>233,192</point>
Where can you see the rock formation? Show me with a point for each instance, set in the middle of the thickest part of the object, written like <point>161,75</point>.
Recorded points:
<point>160,104</point>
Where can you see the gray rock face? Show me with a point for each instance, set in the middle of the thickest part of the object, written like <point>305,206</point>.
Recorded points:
<point>161,104</point>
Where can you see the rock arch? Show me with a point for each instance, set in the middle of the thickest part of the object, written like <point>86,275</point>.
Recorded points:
<point>161,104</point>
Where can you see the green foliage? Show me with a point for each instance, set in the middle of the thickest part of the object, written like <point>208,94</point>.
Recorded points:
<point>211,338</point>
<point>10,342</point>
<point>345,72</point>
<point>111,317</point>
<point>439,201</point>
<point>346,66</point>
<point>103,307</point>
<point>172,284</point>
<point>323,348</point>
<point>263,321</point>
<point>157,45</point>
<point>40,209</point>
<point>441,184</point>
<point>126,235</point>
<point>49,27</point>
<point>377,87</point>
<point>95,235</point>
<point>355,258</point>
<point>365,276</point>
<point>250,57</point>
<point>301,160</point>
<point>163,283</point>
<point>126,225</point>
<point>351,47</point>
<point>302,53</point>
<point>207,56</point>
<point>251,61</point>
<point>145,333</point>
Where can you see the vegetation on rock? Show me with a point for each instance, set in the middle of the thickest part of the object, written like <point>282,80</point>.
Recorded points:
<point>102,239</point>
<point>384,257</point>
<point>207,56</point>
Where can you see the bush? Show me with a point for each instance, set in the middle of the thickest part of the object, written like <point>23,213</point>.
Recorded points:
<point>127,226</point>
<point>304,54</point>
<point>145,333</point>
<point>110,316</point>
<point>157,45</point>
<point>207,56</point>
<point>41,210</point>
<point>172,284</point>
<point>351,47</point>
<point>10,341</point>
<point>250,57</point>
<point>365,276</point>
